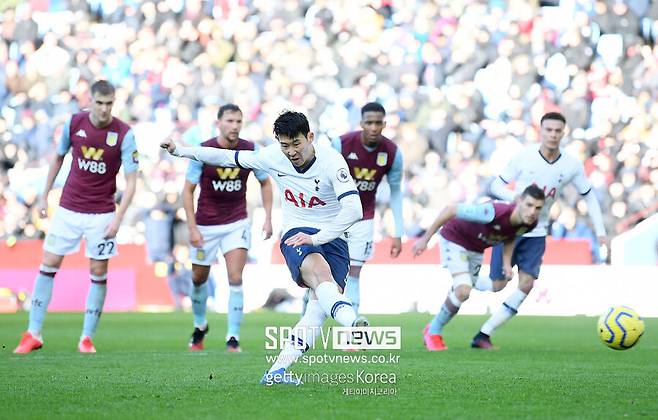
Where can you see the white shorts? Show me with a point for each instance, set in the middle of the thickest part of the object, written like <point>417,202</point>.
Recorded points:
<point>68,227</point>
<point>221,238</point>
<point>359,241</point>
<point>459,260</point>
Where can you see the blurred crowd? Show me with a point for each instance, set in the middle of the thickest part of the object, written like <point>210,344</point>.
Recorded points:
<point>464,84</point>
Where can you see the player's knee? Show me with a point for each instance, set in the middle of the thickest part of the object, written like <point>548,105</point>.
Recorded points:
<point>498,285</point>
<point>235,279</point>
<point>526,283</point>
<point>98,271</point>
<point>462,292</point>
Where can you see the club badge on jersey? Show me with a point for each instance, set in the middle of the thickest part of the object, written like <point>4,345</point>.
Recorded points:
<point>112,138</point>
<point>382,158</point>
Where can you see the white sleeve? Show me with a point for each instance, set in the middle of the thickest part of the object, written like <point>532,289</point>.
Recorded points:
<point>499,190</point>
<point>350,212</point>
<point>594,210</point>
<point>580,180</point>
<point>511,171</point>
<point>348,196</point>
<point>223,157</point>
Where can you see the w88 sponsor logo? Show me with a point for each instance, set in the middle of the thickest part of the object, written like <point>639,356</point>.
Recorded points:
<point>92,166</point>
<point>362,185</point>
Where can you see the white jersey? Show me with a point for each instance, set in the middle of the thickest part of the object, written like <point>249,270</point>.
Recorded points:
<point>309,198</point>
<point>529,167</point>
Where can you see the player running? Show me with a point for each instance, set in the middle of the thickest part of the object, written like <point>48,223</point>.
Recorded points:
<point>370,156</point>
<point>466,231</point>
<point>100,145</point>
<point>220,224</point>
<point>319,202</point>
<point>548,167</point>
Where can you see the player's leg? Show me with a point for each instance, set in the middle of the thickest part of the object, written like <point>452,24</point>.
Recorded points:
<point>352,291</point>
<point>464,266</point>
<point>495,281</point>
<point>528,254</point>
<point>316,274</point>
<point>361,247</point>
<point>301,340</point>
<point>41,294</point>
<point>62,239</point>
<point>235,262</point>
<point>235,244</point>
<point>99,250</point>
<point>199,298</point>
<point>94,304</point>
<point>202,260</point>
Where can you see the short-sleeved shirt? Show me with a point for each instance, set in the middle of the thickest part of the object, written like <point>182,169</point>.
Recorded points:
<point>530,167</point>
<point>477,237</point>
<point>222,199</point>
<point>97,153</point>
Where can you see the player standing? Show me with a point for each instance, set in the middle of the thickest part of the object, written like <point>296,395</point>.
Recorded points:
<point>319,202</point>
<point>221,223</point>
<point>370,156</point>
<point>100,145</point>
<point>466,231</point>
<point>548,167</point>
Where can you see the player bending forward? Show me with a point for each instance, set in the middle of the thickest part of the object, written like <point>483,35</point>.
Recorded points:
<point>319,201</point>
<point>466,231</point>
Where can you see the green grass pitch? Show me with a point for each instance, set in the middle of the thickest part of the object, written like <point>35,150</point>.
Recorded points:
<point>544,368</point>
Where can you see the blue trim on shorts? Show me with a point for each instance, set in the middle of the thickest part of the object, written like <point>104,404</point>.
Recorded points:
<point>336,253</point>
<point>528,254</point>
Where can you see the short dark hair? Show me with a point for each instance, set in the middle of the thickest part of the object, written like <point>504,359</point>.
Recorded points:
<point>103,87</point>
<point>227,108</point>
<point>535,192</point>
<point>553,116</point>
<point>291,123</point>
<point>372,107</point>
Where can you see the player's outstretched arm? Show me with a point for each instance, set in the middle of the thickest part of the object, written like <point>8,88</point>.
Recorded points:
<point>394,178</point>
<point>214,156</point>
<point>447,214</point>
<point>267,195</point>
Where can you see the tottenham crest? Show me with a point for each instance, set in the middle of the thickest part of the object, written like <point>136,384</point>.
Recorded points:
<point>112,138</point>
<point>382,158</point>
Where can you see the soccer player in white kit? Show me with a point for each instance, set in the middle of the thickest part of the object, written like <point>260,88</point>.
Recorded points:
<point>320,202</point>
<point>548,167</point>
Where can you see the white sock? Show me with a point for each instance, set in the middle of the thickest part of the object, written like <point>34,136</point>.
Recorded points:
<point>43,291</point>
<point>303,336</point>
<point>352,292</point>
<point>484,284</point>
<point>95,302</point>
<point>199,299</point>
<point>509,309</point>
<point>334,304</point>
<point>235,311</point>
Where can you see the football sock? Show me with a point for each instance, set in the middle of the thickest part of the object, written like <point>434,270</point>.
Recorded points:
<point>199,298</point>
<point>508,310</point>
<point>352,292</point>
<point>448,310</point>
<point>43,291</point>
<point>334,304</point>
<point>235,311</point>
<point>302,337</point>
<point>305,302</point>
<point>95,301</point>
<point>484,284</point>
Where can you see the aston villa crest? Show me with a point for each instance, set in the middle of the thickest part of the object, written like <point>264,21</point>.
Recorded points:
<point>382,158</point>
<point>112,138</point>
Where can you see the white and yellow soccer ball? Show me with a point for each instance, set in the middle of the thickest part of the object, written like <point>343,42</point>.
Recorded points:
<point>620,327</point>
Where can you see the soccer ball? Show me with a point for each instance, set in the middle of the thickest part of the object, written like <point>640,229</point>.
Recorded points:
<point>620,327</point>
